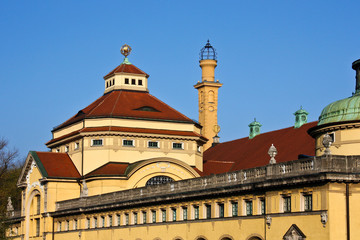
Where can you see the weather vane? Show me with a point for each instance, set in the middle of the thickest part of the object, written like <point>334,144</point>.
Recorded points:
<point>125,50</point>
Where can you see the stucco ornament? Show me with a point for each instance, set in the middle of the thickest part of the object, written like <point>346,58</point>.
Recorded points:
<point>268,221</point>
<point>34,184</point>
<point>327,141</point>
<point>324,218</point>
<point>272,153</point>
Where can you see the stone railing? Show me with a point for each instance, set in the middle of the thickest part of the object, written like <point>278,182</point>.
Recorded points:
<point>292,169</point>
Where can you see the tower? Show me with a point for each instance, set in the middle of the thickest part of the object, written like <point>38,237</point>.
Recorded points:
<point>208,93</point>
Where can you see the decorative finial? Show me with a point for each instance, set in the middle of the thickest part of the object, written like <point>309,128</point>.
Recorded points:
<point>125,50</point>
<point>327,141</point>
<point>272,153</point>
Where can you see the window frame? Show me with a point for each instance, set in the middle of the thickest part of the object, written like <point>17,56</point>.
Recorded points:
<point>234,209</point>
<point>176,148</point>
<point>126,145</point>
<point>248,207</point>
<point>97,145</point>
<point>157,144</point>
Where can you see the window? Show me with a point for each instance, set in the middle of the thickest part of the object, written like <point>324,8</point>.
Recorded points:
<point>58,150</point>
<point>38,204</point>
<point>77,145</point>
<point>286,204</point>
<point>177,146</point>
<point>118,219</point>
<point>135,218</point>
<point>133,81</point>
<point>75,224</point>
<point>153,213</point>
<point>38,227</point>
<point>87,223</point>
<point>96,142</point>
<point>308,202</point>
<point>332,135</point>
<point>221,210</point>
<point>126,219</point>
<point>144,217</point>
<point>163,214</point>
<point>234,209</point>
<point>208,211</point>
<point>110,221</point>
<point>262,206</point>
<point>140,82</point>
<point>126,81</point>
<point>185,213</point>
<point>95,222</point>
<point>249,207</point>
<point>113,81</point>
<point>196,212</point>
<point>199,149</point>
<point>66,148</point>
<point>128,143</point>
<point>59,226</point>
<point>159,180</point>
<point>173,214</point>
<point>152,144</point>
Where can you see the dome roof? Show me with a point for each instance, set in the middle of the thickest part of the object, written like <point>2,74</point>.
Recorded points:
<point>347,109</point>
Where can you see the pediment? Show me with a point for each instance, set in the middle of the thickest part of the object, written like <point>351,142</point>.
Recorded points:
<point>30,163</point>
<point>294,233</point>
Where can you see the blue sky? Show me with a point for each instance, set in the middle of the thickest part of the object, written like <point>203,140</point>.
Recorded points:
<point>273,56</point>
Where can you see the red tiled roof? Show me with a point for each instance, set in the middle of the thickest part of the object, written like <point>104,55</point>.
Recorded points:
<point>247,153</point>
<point>126,68</point>
<point>128,104</point>
<point>110,169</point>
<point>58,165</point>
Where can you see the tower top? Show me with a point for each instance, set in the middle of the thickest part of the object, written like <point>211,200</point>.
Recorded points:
<point>208,52</point>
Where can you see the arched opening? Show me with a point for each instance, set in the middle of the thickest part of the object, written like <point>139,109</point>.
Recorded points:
<point>159,180</point>
<point>33,209</point>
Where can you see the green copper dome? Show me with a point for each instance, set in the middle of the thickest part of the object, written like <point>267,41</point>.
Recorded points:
<point>347,109</point>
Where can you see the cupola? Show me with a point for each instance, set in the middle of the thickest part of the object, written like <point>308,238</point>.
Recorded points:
<point>300,117</point>
<point>126,76</point>
<point>254,129</point>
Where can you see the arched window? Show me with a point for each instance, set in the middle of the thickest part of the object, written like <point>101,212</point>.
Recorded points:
<point>211,96</point>
<point>159,180</point>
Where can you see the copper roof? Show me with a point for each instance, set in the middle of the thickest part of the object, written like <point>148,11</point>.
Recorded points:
<point>247,153</point>
<point>126,68</point>
<point>128,104</point>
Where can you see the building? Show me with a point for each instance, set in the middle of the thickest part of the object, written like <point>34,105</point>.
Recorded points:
<point>130,167</point>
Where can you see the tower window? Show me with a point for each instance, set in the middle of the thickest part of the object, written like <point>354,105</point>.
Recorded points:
<point>153,144</point>
<point>140,82</point>
<point>126,81</point>
<point>113,81</point>
<point>178,146</point>
<point>128,143</point>
<point>96,142</point>
<point>133,81</point>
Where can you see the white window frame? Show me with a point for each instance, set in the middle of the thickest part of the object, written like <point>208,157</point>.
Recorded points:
<point>92,142</point>
<point>133,143</point>
<point>182,145</point>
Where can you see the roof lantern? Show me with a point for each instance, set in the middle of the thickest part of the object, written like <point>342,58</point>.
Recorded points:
<point>208,52</point>
<point>254,129</point>
<point>347,109</point>
<point>300,117</point>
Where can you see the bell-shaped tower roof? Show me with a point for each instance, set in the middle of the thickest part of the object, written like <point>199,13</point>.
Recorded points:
<point>208,52</point>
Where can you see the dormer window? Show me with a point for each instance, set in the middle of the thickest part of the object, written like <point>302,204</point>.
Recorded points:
<point>126,81</point>
<point>133,81</point>
<point>140,82</point>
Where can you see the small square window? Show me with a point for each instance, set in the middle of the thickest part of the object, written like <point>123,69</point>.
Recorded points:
<point>140,82</point>
<point>133,81</point>
<point>58,150</point>
<point>152,144</point>
<point>177,146</point>
<point>128,143</point>
<point>126,81</point>
<point>96,142</point>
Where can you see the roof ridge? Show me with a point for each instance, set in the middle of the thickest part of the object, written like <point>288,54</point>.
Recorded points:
<point>97,105</point>
<point>117,99</point>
